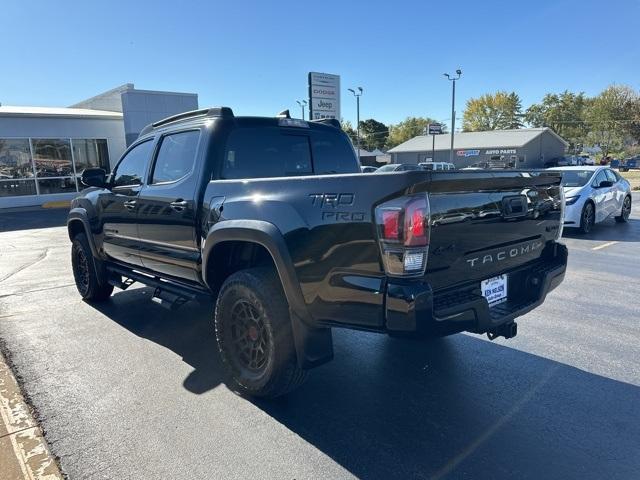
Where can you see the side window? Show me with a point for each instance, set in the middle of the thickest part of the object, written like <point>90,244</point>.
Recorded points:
<point>611,176</point>
<point>176,156</point>
<point>131,169</point>
<point>332,153</point>
<point>600,177</point>
<point>266,152</point>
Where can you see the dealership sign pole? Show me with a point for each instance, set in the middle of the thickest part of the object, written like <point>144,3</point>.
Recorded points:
<point>434,129</point>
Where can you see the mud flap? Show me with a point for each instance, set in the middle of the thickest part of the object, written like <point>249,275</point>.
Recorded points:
<point>314,346</point>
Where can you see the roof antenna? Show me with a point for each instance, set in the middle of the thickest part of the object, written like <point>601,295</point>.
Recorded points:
<point>284,114</point>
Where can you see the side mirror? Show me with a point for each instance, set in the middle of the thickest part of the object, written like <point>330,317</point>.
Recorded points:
<point>605,184</point>
<point>94,177</point>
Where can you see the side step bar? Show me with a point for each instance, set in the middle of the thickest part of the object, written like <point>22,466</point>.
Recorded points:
<point>166,294</point>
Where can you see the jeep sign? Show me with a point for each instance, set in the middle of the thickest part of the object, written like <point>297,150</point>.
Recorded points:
<point>324,96</point>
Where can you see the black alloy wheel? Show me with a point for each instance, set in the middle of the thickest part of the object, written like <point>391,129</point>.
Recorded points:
<point>254,334</point>
<point>626,210</point>
<point>90,274</point>
<point>588,218</point>
<point>249,337</point>
<point>80,266</point>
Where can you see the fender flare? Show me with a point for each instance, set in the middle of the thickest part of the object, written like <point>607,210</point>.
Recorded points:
<point>80,215</point>
<point>314,345</point>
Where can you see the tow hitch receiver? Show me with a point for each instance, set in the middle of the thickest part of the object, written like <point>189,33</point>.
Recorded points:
<point>507,330</point>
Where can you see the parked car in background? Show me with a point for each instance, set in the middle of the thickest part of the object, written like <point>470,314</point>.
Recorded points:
<point>593,194</point>
<point>586,159</point>
<point>368,169</point>
<point>398,167</point>
<point>629,164</point>
<point>437,166</point>
<point>570,161</point>
<point>498,164</point>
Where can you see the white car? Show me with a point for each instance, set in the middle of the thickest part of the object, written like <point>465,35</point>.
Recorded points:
<point>593,194</point>
<point>437,166</point>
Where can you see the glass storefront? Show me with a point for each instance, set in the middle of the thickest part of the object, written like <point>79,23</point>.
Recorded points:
<point>41,166</point>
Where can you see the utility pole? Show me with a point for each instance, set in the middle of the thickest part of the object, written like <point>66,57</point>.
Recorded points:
<point>302,104</point>
<point>453,108</point>
<point>357,95</point>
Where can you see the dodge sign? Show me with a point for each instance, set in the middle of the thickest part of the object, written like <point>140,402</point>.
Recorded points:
<point>324,96</point>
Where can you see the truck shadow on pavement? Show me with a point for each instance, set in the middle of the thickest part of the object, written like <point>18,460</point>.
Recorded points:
<point>446,408</point>
<point>462,407</point>
<point>187,331</point>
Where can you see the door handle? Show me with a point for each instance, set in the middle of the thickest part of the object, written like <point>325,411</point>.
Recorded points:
<point>178,205</point>
<point>130,204</point>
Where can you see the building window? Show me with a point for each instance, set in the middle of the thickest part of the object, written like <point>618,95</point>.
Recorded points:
<point>16,169</point>
<point>56,185</point>
<point>16,188</point>
<point>55,164</point>
<point>52,157</point>
<point>90,153</point>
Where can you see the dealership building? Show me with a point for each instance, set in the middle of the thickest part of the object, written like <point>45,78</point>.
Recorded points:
<point>43,150</point>
<point>519,148</point>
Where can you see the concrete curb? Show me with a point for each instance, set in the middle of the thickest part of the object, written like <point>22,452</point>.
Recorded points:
<point>23,450</point>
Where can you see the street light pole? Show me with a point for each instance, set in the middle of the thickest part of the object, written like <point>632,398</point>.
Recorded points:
<point>302,104</point>
<point>453,108</point>
<point>357,95</point>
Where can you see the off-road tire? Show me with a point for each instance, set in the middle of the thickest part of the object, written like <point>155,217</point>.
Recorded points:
<point>587,217</point>
<point>253,331</point>
<point>626,210</point>
<point>90,275</point>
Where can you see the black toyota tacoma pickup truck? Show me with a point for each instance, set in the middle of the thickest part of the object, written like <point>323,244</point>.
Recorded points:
<point>272,218</point>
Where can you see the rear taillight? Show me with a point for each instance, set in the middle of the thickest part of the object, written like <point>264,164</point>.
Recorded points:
<point>403,231</point>
<point>391,224</point>
<point>416,223</point>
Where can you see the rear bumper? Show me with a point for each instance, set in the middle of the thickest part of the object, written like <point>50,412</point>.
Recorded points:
<point>413,306</point>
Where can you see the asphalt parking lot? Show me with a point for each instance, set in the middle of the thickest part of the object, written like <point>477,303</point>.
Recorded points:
<point>130,390</point>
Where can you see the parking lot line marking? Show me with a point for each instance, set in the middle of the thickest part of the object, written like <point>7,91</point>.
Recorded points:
<point>604,245</point>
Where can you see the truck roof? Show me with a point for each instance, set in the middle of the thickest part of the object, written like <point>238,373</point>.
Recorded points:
<point>283,119</point>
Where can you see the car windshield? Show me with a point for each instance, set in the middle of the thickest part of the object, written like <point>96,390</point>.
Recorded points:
<point>575,178</point>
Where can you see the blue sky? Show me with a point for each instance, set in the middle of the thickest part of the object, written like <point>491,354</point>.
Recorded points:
<point>254,55</point>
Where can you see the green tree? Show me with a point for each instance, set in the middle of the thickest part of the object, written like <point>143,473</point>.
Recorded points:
<point>497,111</point>
<point>349,130</point>
<point>611,116</point>
<point>564,113</point>
<point>373,134</point>
<point>407,129</point>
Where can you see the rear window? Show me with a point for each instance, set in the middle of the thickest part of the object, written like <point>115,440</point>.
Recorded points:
<point>332,153</point>
<point>264,152</point>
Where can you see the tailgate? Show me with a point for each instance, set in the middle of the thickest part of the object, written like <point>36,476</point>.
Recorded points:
<point>486,223</point>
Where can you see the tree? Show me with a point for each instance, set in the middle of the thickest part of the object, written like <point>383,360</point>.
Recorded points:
<point>349,130</point>
<point>373,134</point>
<point>564,113</point>
<point>632,126</point>
<point>497,111</point>
<point>611,116</point>
<point>407,129</point>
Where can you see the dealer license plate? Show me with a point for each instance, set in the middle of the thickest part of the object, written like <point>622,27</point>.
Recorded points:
<point>495,289</point>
